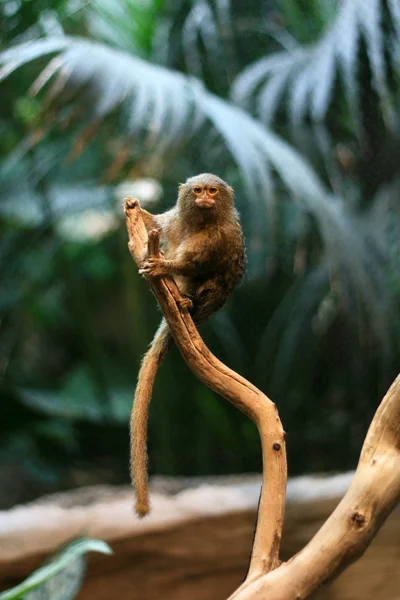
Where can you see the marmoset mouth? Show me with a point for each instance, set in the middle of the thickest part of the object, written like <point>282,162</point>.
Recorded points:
<point>205,203</point>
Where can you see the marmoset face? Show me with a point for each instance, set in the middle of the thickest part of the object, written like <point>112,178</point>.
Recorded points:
<point>207,192</point>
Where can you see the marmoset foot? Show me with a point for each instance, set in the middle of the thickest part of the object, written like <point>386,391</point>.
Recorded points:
<point>155,267</point>
<point>185,303</point>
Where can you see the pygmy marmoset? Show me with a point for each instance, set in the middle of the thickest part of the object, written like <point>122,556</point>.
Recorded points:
<point>203,250</point>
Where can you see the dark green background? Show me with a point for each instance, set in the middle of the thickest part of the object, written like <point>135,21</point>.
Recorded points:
<point>316,332</point>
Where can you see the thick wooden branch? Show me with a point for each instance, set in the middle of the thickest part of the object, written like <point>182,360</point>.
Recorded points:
<point>347,533</point>
<point>230,385</point>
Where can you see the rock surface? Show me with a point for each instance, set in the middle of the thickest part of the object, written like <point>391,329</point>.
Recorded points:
<point>196,543</point>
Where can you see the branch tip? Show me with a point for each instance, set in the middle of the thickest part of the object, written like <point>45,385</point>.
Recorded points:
<point>154,242</point>
<point>129,204</point>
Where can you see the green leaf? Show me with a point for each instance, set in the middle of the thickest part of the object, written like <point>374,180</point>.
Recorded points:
<point>26,109</point>
<point>16,56</point>
<point>230,340</point>
<point>200,22</point>
<point>61,577</point>
<point>370,17</point>
<point>394,9</point>
<point>126,24</point>
<point>78,399</point>
<point>251,80</point>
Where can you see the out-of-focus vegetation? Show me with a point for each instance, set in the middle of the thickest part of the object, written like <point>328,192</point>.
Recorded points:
<point>297,104</point>
<point>60,578</point>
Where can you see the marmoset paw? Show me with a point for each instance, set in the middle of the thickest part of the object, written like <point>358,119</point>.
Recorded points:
<point>129,203</point>
<point>185,303</point>
<point>155,267</point>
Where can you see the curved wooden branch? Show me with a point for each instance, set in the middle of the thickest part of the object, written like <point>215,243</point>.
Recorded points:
<point>230,385</point>
<point>347,533</point>
<point>375,489</point>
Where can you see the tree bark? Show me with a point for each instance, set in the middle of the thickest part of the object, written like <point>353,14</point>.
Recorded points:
<point>373,494</point>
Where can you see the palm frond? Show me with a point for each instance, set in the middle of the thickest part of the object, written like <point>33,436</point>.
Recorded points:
<point>307,76</point>
<point>21,202</point>
<point>164,109</point>
<point>230,340</point>
<point>12,59</point>
<point>290,324</point>
<point>125,24</point>
<point>383,223</point>
<point>200,22</point>
<point>395,12</point>
<point>207,42</point>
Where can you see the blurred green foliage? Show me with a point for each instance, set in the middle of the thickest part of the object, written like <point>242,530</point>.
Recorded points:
<point>60,578</point>
<point>315,324</point>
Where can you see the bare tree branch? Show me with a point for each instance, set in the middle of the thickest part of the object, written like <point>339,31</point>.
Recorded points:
<point>230,385</point>
<point>347,533</point>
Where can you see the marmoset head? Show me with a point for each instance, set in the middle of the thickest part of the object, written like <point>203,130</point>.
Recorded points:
<point>206,196</point>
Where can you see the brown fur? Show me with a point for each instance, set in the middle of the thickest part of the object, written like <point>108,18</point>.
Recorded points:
<point>204,252</point>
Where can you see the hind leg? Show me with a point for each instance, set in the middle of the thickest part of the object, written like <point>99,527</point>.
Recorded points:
<point>208,299</point>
